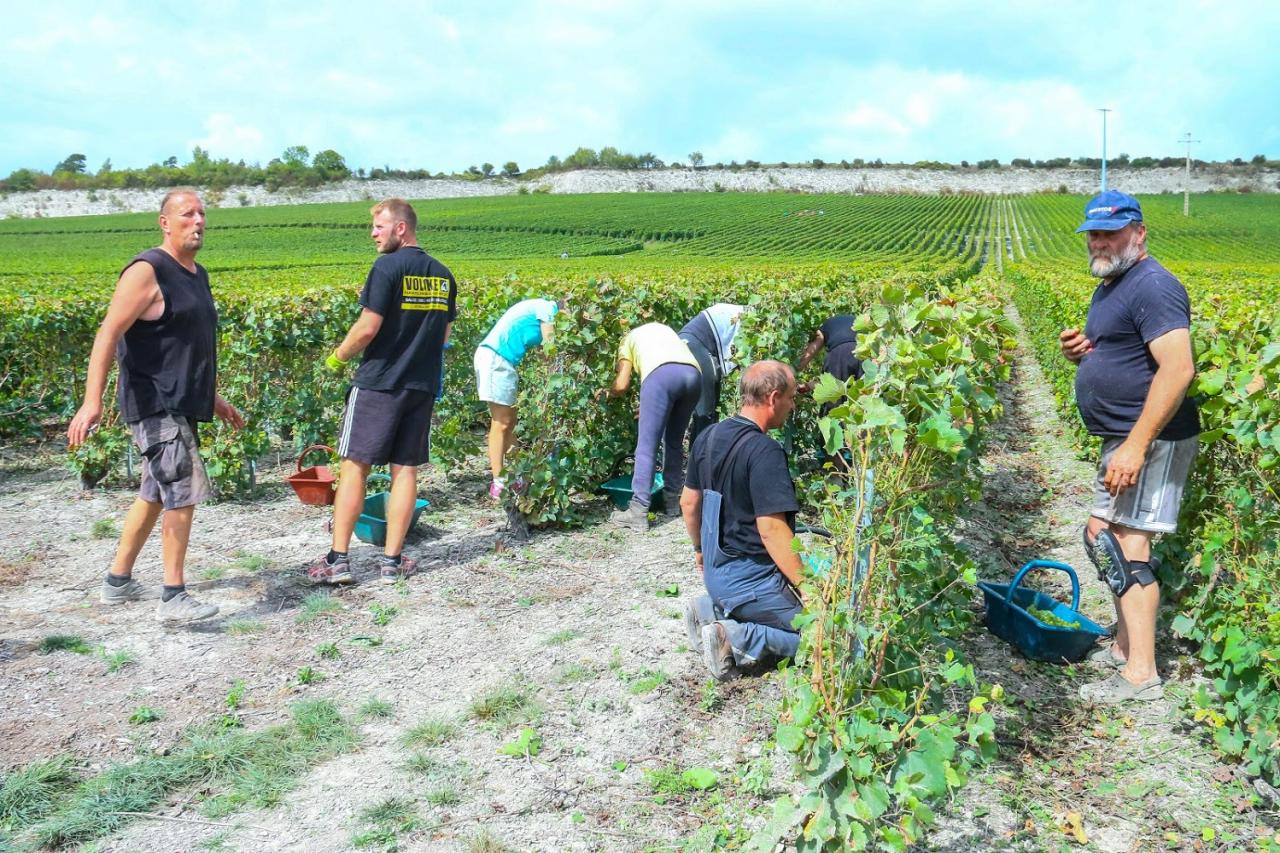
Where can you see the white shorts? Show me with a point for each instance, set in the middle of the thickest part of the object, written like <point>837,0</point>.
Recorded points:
<point>495,377</point>
<point>1153,502</point>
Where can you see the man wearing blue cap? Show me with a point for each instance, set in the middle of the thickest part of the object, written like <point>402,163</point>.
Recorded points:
<point>1135,365</point>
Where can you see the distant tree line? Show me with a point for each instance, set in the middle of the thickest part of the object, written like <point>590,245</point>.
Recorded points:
<point>297,167</point>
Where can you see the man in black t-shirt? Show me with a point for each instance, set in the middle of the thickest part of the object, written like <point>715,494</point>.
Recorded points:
<point>409,303</point>
<point>739,506</point>
<point>1135,365</point>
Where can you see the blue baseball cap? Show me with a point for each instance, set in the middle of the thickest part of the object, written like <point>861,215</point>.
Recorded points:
<point>1110,211</point>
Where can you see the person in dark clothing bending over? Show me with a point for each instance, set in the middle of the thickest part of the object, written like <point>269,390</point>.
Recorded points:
<point>840,340</point>
<point>409,302</point>
<point>1135,364</point>
<point>162,326</point>
<point>710,338</point>
<point>739,506</point>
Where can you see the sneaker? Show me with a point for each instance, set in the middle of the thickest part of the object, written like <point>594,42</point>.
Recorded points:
<point>1103,656</point>
<point>1117,689</point>
<point>392,572</point>
<point>717,652</point>
<point>634,516</point>
<point>183,608</point>
<point>131,591</point>
<point>496,488</point>
<point>698,611</point>
<point>322,571</point>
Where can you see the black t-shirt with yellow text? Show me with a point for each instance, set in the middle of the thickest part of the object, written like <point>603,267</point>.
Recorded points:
<point>416,297</point>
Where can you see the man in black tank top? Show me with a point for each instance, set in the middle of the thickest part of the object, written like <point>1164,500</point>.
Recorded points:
<point>162,327</point>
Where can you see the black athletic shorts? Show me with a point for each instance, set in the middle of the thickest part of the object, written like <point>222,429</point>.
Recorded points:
<point>387,426</point>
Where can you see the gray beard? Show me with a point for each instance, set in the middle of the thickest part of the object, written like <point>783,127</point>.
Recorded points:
<point>1112,266</point>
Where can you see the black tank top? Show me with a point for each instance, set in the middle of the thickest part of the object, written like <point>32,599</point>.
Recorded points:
<point>170,364</point>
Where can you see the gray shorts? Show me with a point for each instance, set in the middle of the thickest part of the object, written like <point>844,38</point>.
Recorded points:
<point>1153,502</point>
<point>173,473</point>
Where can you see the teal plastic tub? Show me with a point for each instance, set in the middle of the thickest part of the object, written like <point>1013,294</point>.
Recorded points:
<point>371,527</point>
<point>619,491</point>
<point>1010,619</point>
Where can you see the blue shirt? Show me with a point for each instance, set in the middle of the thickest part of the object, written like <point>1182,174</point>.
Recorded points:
<point>520,328</point>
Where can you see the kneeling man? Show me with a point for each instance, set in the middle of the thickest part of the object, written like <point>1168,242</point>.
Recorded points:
<point>739,505</point>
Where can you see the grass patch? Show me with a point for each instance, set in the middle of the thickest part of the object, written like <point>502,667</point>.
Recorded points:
<point>384,821</point>
<point>422,764</point>
<point>213,573</point>
<point>30,793</point>
<point>116,660</point>
<point>644,681</point>
<point>144,714</point>
<point>250,563</point>
<point>573,672</point>
<point>64,643</point>
<point>235,696</point>
<point>444,795</point>
<point>307,675</point>
<point>375,708</point>
<point>559,638</point>
<point>315,605</point>
<point>242,627</point>
<point>104,528</point>
<point>505,706</point>
<point>485,841</point>
<point>432,732</point>
<point>328,651</point>
<point>242,769</point>
<point>383,613</point>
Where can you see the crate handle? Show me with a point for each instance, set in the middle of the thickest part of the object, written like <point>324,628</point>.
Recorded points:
<point>1047,564</point>
<point>304,453</point>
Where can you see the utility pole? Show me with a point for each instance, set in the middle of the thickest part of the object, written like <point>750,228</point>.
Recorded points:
<point>1186,186</point>
<point>1104,111</point>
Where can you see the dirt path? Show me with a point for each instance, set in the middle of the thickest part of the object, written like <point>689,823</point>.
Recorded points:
<point>1134,777</point>
<point>575,625</point>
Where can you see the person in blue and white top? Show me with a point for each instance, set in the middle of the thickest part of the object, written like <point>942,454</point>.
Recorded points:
<point>710,338</point>
<point>527,324</point>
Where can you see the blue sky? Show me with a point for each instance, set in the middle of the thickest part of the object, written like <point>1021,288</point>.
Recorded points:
<point>444,86</point>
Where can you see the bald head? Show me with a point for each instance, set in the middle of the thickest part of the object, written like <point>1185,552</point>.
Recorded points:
<point>175,195</point>
<point>763,378</point>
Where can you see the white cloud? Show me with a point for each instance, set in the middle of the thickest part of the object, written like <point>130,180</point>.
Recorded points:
<point>224,137</point>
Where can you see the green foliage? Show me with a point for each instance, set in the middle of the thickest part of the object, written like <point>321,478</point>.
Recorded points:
<point>505,706</point>
<point>64,643</point>
<point>527,744</point>
<point>117,659</point>
<point>870,706</point>
<point>104,528</point>
<point>376,708</point>
<point>144,714</point>
<point>316,604</point>
<point>29,793</point>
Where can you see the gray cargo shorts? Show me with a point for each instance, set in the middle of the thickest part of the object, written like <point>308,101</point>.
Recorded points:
<point>1153,502</point>
<point>173,473</point>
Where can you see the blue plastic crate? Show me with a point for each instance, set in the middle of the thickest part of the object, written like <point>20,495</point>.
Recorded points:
<point>1009,619</point>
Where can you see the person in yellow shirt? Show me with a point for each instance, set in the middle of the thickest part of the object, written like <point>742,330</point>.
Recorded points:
<point>670,382</point>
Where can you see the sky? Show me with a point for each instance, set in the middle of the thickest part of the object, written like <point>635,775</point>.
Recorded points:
<point>443,86</point>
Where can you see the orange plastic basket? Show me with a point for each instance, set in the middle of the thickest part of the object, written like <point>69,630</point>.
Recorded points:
<point>314,486</point>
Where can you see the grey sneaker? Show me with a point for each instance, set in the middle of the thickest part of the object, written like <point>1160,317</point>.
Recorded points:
<point>634,516</point>
<point>698,611</point>
<point>717,652</point>
<point>131,591</point>
<point>183,608</point>
<point>1102,656</point>
<point>392,572</point>
<point>1117,689</point>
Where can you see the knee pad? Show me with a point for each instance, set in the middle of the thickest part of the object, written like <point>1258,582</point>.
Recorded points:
<point>1114,568</point>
